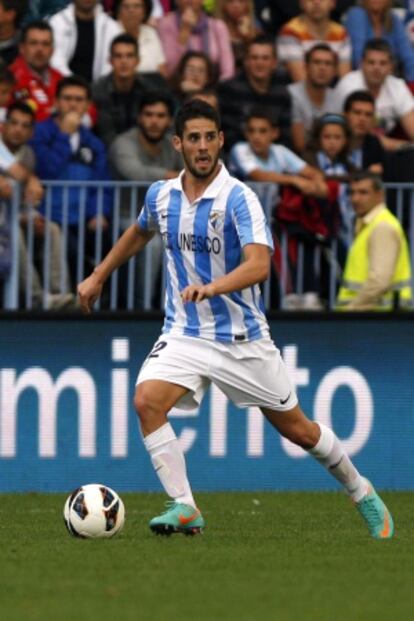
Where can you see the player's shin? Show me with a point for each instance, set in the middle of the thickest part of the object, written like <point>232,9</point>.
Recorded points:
<point>330,453</point>
<point>169,463</point>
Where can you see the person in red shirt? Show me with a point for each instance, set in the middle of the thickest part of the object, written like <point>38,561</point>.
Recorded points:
<point>36,80</point>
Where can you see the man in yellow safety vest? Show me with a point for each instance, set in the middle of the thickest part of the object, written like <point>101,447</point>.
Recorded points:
<point>377,273</point>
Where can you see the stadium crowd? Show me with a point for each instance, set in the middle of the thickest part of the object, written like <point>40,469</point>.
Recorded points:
<point>309,92</point>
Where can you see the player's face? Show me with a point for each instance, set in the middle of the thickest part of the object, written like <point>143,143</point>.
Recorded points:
<point>153,121</point>
<point>260,135</point>
<point>332,139</point>
<point>376,66</point>
<point>321,68</point>
<point>200,147</point>
<point>364,197</point>
<point>37,49</point>
<point>124,60</point>
<point>72,99</point>
<point>360,118</point>
<point>17,129</point>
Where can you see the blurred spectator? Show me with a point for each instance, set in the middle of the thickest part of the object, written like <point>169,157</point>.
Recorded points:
<point>6,89</point>
<point>366,150</point>
<point>313,25</point>
<point>67,151</point>
<point>36,81</point>
<point>17,162</point>
<point>313,97</point>
<point>238,15</point>
<point>394,102</point>
<point>11,14</point>
<point>117,95</point>
<point>378,269</point>
<point>258,85</point>
<point>275,13</point>
<point>133,15</point>
<point>208,95</point>
<point>195,72</point>
<point>83,33</point>
<point>375,18</point>
<point>328,150</point>
<point>259,159</point>
<point>158,9</point>
<point>42,9</point>
<point>145,152</point>
<point>189,28</point>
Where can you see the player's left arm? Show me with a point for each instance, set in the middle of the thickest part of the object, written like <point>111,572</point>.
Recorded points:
<point>254,269</point>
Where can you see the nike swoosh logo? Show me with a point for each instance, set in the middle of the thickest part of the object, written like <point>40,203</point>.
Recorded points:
<point>385,533</point>
<point>186,520</point>
<point>283,401</point>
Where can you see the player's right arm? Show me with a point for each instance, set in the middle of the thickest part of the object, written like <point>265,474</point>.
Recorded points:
<point>130,243</point>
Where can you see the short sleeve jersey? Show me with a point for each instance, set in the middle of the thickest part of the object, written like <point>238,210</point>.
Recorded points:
<point>280,160</point>
<point>204,241</point>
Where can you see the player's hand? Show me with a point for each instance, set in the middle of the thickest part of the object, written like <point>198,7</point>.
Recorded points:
<point>197,293</point>
<point>89,291</point>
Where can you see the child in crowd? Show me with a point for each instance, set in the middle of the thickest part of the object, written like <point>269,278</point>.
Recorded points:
<point>259,159</point>
<point>329,151</point>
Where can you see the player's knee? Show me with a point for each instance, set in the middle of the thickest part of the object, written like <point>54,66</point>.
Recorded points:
<point>145,404</point>
<point>304,435</point>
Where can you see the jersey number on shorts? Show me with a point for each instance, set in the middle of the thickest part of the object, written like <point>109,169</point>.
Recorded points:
<point>157,348</point>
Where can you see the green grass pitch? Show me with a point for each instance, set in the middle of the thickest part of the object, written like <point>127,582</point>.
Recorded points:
<point>263,556</point>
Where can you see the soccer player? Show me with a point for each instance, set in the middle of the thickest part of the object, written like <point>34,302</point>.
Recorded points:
<point>217,246</point>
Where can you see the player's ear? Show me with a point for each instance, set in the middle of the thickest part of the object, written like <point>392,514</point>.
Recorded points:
<point>221,139</point>
<point>176,142</point>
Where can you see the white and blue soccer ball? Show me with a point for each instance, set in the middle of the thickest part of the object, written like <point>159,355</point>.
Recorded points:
<point>94,511</point>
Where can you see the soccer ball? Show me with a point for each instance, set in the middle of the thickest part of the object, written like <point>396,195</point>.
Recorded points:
<point>93,511</point>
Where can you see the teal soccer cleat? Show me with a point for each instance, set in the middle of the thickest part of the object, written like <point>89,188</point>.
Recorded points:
<point>178,518</point>
<point>376,515</point>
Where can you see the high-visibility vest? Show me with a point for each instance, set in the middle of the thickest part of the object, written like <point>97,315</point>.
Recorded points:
<point>357,268</point>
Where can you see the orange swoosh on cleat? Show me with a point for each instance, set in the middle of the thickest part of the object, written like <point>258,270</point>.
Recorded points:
<point>387,528</point>
<point>186,520</point>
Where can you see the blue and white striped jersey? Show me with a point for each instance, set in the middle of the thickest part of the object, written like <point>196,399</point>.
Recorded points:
<point>204,241</point>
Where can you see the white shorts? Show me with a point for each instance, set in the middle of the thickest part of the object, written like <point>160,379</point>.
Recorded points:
<point>249,374</point>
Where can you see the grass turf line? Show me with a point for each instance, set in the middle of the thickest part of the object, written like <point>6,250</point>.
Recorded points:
<point>263,556</point>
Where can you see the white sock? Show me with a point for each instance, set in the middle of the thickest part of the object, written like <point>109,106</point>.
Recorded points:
<point>329,452</point>
<point>168,460</point>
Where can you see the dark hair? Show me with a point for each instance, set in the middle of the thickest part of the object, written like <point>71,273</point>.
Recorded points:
<point>6,75</point>
<point>39,24</point>
<point>261,112</point>
<point>150,98</point>
<point>126,39</point>
<point>261,40</point>
<point>364,96</point>
<point>18,6</point>
<point>207,92</point>
<point>320,47</point>
<point>362,175</point>
<point>179,72</point>
<point>73,80</point>
<point>147,8</point>
<point>22,107</point>
<point>377,45</point>
<point>317,127</point>
<point>195,109</point>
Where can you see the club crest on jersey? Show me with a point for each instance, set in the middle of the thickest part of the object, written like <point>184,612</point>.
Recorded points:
<point>215,219</point>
